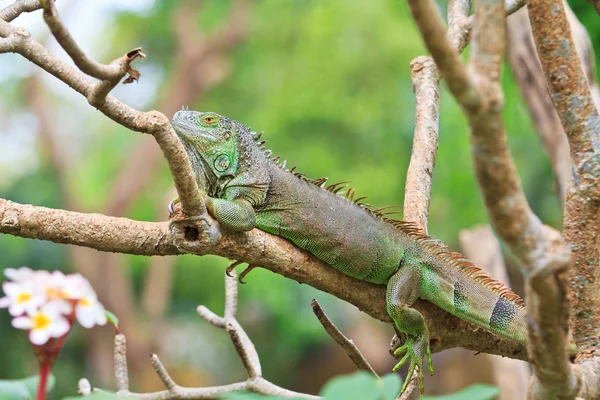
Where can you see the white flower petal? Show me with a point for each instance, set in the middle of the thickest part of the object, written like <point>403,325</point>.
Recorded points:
<point>19,275</point>
<point>16,309</point>
<point>59,327</point>
<point>39,336</point>
<point>5,302</point>
<point>90,313</point>
<point>22,323</point>
<point>57,308</point>
<point>12,289</point>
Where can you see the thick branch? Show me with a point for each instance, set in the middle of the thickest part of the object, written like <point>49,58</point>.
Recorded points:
<point>255,247</point>
<point>540,248</point>
<point>530,77</point>
<point>571,96</point>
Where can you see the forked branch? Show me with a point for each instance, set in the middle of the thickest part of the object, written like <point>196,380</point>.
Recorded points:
<point>242,343</point>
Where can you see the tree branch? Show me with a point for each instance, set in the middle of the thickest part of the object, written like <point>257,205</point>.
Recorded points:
<point>530,77</point>
<point>19,41</point>
<point>481,246</point>
<point>417,191</point>
<point>347,344</point>
<point>243,345</point>
<point>457,78</point>
<point>540,248</point>
<point>255,247</point>
<point>571,96</point>
<point>17,8</point>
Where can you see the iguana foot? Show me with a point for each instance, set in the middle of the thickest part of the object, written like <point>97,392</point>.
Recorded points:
<point>171,206</point>
<point>415,348</point>
<point>245,272</point>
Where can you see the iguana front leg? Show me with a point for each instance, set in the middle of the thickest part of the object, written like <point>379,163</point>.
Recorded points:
<point>236,214</point>
<point>402,291</point>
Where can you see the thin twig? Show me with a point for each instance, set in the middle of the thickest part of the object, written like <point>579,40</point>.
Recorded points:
<point>417,191</point>
<point>412,386</point>
<point>348,345</point>
<point>162,372</point>
<point>19,40</point>
<point>459,81</point>
<point>121,374</point>
<point>115,70</point>
<point>246,350</point>
<point>17,8</point>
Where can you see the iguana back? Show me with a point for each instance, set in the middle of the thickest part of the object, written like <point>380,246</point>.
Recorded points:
<point>248,189</point>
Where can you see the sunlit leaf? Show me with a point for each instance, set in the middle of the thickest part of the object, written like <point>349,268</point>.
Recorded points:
<point>474,392</point>
<point>22,389</point>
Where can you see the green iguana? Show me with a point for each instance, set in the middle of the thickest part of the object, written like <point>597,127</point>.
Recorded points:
<point>247,188</point>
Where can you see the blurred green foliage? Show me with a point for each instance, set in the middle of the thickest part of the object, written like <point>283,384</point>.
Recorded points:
<point>329,83</point>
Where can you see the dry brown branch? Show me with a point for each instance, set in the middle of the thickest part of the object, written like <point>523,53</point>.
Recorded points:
<point>580,120</point>
<point>243,345</point>
<point>455,74</point>
<point>122,235</point>
<point>528,72</point>
<point>17,8</point>
<point>579,117</point>
<point>412,386</point>
<point>539,248</point>
<point>482,247</point>
<point>347,344</point>
<point>426,80</point>
<point>530,77</point>
<point>19,41</point>
<point>417,192</point>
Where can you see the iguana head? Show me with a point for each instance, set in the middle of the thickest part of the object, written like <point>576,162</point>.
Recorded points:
<point>217,146</point>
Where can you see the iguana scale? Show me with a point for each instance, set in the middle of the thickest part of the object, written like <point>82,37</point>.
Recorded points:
<point>247,188</point>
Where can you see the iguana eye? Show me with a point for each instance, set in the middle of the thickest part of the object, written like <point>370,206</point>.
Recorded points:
<point>209,120</point>
<point>222,163</point>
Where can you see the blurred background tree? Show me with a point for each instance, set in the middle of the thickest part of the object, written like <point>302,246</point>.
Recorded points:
<point>328,82</point>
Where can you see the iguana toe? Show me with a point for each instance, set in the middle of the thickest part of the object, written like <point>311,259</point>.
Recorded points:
<point>415,348</point>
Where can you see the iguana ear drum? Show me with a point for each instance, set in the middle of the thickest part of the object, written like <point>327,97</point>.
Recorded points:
<point>222,163</point>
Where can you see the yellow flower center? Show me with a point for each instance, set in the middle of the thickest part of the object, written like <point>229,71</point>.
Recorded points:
<point>40,321</point>
<point>23,297</point>
<point>85,302</point>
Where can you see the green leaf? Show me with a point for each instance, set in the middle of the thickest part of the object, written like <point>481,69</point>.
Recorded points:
<point>22,389</point>
<point>112,318</point>
<point>98,395</point>
<point>362,386</point>
<point>474,392</point>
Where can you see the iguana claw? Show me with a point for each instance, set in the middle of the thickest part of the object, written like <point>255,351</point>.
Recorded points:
<point>415,348</point>
<point>171,206</point>
<point>245,272</point>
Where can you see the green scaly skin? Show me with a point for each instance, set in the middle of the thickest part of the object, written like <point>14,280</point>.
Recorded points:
<point>248,189</point>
